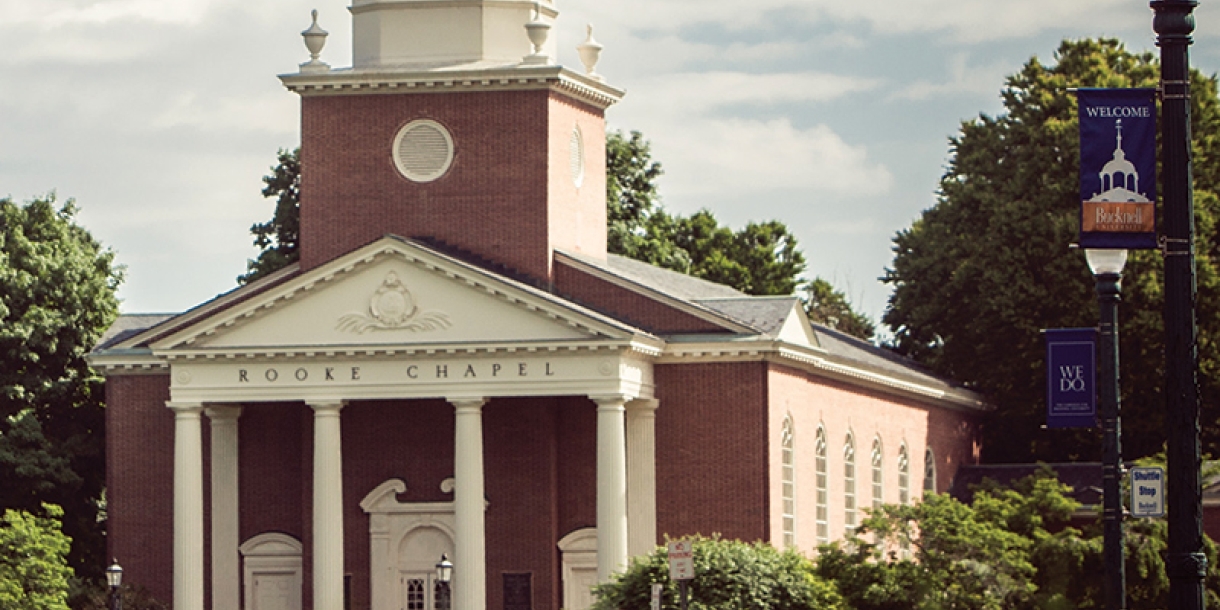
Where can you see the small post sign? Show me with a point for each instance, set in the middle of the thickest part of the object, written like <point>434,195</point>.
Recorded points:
<point>681,560</point>
<point>1147,492</point>
<point>1071,377</point>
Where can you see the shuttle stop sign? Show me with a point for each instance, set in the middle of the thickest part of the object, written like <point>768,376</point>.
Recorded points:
<point>681,560</point>
<point>1147,492</point>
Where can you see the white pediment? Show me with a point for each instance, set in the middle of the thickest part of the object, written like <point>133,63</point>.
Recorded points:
<point>393,292</point>
<point>796,328</point>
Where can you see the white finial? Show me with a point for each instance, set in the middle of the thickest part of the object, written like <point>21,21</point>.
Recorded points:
<point>590,52</point>
<point>538,31</point>
<point>315,39</point>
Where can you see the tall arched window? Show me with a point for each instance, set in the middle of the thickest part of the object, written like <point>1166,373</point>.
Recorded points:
<point>904,475</point>
<point>849,484</point>
<point>789,483</point>
<point>929,471</point>
<point>877,458</point>
<point>823,496</point>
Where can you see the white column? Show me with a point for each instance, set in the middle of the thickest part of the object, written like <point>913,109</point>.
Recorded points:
<point>188,505</point>
<point>611,487</point>
<point>327,507</point>
<point>470,562</point>
<point>226,561</point>
<point>641,477</point>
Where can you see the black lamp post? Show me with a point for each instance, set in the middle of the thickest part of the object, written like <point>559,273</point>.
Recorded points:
<point>114,578</point>
<point>1107,268</point>
<point>444,573</point>
<point>1185,563</point>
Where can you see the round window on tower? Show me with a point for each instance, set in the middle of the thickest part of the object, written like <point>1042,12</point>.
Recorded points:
<point>576,156</point>
<point>423,150</point>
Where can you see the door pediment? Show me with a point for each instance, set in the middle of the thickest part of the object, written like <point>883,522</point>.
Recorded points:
<point>394,292</point>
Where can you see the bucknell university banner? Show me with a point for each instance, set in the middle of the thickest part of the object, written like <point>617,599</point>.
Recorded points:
<point>1117,168</point>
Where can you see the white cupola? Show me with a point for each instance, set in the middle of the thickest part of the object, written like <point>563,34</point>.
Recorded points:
<point>430,34</point>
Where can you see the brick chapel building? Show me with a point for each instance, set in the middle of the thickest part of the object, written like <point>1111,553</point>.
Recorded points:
<point>456,365</point>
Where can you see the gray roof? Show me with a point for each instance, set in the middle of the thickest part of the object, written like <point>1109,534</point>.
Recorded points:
<point>764,314</point>
<point>672,283</point>
<point>847,347</point>
<point>128,325</point>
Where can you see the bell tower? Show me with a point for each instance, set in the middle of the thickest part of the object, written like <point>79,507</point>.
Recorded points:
<point>453,124</point>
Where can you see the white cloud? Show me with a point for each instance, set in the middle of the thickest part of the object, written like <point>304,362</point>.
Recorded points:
<point>701,92</point>
<point>966,20</point>
<point>960,78</point>
<point>744,159</point>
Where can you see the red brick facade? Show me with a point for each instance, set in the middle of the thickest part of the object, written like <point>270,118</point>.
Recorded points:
<point>508,196</point>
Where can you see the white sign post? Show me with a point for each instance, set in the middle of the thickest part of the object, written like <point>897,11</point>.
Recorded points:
<point>681,560</point>
<point>681,566</point>
<point>656,596</point>
<point>1147,492</point>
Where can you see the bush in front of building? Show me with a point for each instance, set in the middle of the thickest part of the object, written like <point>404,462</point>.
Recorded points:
<point>34,570</point>
<point>729,574</point>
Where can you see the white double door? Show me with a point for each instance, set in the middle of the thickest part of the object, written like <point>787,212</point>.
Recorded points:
<point>422,591</point>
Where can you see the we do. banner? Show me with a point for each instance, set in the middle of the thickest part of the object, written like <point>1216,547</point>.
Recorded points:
<point>1071,377</point>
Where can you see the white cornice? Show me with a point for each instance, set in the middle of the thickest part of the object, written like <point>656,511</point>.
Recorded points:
<point>644,348</point>
<point>502,78</point>
<point>819,362</point>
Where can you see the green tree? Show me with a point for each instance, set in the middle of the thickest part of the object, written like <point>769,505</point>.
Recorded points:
<point>729,575</point>
<point>980,273</point>
<point>829,307</point>
<point>34,572</point>
<point>1017,547</point>
<point>57,296</point>
<point>279,238</point>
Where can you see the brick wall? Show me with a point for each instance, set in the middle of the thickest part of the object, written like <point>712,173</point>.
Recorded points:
<point>712,450</point>
<point>139,480</point>
<point>505,197</point>
<point>869,416</point>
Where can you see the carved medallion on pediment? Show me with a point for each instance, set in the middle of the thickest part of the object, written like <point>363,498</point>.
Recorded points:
<point>392,307</point>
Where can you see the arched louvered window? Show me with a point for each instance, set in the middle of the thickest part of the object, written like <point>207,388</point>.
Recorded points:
<point>789,483</point>
<point>823,495</point>
<point>904,475</point>
<point>849,484</point>
<point>878,489</point>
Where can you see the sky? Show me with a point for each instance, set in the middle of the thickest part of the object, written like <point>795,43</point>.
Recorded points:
<point>159,117</point>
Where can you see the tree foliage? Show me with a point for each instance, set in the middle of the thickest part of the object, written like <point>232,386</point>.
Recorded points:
<point>980,273</point>
<point>57,296</point>
<point>729,575</point>
<point>761,259</point>
<point>829,307</point>
<point>34,573</point>
<point>279,238</point>
<point>1020,547</point>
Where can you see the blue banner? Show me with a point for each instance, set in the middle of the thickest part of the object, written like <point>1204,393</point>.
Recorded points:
<point>1071,377</point>
<point>1117,168</point>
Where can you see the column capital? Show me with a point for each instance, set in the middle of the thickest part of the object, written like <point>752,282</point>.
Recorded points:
<point>322,407</point>
<point>223,412</point>
<point>611,401</point>
<point>466,403</point>
<point>643,405</point>
<point>185,408</point>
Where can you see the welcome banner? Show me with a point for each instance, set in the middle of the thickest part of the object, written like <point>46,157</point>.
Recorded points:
<point>1117,168</point>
